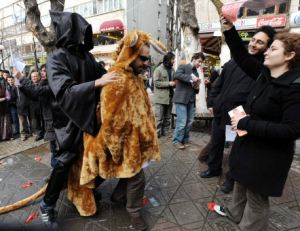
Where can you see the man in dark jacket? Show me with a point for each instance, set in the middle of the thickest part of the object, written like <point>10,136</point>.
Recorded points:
<point>229,91</point>
<point>23,112</point>
<point>187,85</point>
<point>12,104</point>
<point>74,79</point>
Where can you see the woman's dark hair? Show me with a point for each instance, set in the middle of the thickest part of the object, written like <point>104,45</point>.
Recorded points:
<point>167,58</point>
<point>43,66</point>
<point>198,55</point>
<point>291,43</point>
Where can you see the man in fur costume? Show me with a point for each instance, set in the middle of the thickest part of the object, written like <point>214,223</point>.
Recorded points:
<point>127,140</point>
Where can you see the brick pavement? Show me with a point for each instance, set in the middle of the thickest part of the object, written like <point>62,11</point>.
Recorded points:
<point>178,196</point>
<point>8,148</point>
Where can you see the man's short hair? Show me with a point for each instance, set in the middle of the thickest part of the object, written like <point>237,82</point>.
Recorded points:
<point>6,71</point>
<point>268,30</point>
<point>198,55</point>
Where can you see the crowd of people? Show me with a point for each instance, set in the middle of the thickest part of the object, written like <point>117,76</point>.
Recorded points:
<point>21,115</point>
<point>115,135</point>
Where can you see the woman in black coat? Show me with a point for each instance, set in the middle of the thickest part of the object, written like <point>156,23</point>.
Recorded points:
<point>260,160</point>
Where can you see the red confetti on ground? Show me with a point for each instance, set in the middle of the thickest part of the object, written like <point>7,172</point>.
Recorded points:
<point>31,217</point>
<point>26,185</point>
<point>38,158</point>
<point>145,201</point>
<point>210,206</point>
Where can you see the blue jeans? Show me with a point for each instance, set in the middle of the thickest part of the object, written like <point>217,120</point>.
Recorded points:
<point>15,119</point>
<point>184,119</point>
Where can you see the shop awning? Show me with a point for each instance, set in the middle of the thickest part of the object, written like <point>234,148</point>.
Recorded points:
<point>211,45</point>
<point>111,25</point>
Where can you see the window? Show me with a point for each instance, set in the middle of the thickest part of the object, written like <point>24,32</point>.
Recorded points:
<point>252,12</point>
<point>19,13</point>
<point>116,4</point>
<point>98,6</point>
<point>282,8</point>
<point>270,10</point>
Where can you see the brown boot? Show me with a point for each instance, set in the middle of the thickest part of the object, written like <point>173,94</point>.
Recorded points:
<point>138,223</point>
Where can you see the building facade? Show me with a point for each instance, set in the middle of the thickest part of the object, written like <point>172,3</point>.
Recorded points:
<point>110,19</point>
<point>280,16</point>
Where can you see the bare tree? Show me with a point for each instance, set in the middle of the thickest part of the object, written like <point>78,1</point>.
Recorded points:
<point>33,22</point>
<point>218,4</point>
<point>189,25</point>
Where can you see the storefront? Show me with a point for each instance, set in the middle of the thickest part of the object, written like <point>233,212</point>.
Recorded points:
<point>210,33</point>
<point>105,41</point>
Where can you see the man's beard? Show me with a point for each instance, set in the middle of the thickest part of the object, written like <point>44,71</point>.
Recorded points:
<point>140,70</point>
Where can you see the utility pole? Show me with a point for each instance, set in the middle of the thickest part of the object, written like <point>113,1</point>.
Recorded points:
<point>35,56</point>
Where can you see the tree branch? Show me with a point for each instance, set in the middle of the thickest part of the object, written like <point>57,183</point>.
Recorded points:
<point>187,15</point>
<point>218,4</point>
<point>33,22</point>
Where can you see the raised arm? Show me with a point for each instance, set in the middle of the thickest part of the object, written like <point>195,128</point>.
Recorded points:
<point>250,65</point>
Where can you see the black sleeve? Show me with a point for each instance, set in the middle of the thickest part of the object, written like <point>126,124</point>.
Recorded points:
<point>287,128</point>
<point>251,66</point>
<point>216,88</point>
<point>76,100</point>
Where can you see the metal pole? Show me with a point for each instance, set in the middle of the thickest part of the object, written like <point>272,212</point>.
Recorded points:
<point>2,59</point>
<point>35,56</point>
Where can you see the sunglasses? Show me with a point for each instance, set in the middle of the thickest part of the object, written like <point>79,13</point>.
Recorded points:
<point>144,58</point>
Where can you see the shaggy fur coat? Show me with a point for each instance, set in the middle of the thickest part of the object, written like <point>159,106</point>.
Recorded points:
<point>127,138</point>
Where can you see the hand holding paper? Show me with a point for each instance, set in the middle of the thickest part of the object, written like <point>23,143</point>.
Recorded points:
<point>236,114</point>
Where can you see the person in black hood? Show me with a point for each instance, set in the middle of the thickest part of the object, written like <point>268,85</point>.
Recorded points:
<point>163,93</point>
<point>74,79</point>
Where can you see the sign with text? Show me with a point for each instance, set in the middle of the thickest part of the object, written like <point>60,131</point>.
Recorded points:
<point>274,21</point>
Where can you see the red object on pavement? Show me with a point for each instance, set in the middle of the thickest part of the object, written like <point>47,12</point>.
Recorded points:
<point>210,206</point>
<point>38,158</point>
<point>26,185</point>
<point>31,217</point>
<point>145,201</point>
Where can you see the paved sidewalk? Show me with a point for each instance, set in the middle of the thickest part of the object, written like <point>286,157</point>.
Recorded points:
<point>177,196</point>
<point>11,147</point>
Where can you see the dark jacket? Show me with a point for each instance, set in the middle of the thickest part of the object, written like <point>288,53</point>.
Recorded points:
<point>22,103</point>
<point>184,92</point>
<point>229,91</point>
<point>261,159</point>
<point>45,97</point>
<point>72,72</point>
<point>13,95</point>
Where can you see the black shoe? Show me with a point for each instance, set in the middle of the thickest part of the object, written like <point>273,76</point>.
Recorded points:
<point>209,173</point>
<point>48,216</point>
<point>138,223</point>
<point>226,187</point>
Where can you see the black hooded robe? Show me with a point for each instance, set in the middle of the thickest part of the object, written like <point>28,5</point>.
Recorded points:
<point>72,72</point>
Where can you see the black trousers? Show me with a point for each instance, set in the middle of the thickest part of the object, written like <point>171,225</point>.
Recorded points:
<point>59,176</point>
<point>215,155</point>
<point>58,179</point>
<point>131,190</point>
